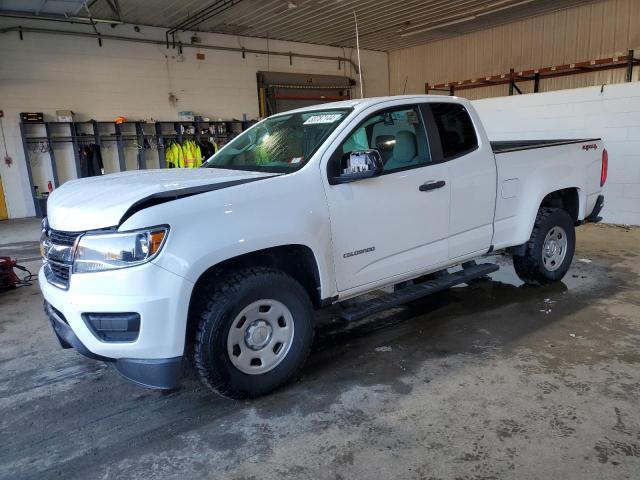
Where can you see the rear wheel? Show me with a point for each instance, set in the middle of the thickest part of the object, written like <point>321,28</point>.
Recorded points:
<point>254,333</point>
<point>549,252</point>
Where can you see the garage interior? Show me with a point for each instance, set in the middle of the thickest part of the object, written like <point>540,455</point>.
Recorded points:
<point>491,379</point>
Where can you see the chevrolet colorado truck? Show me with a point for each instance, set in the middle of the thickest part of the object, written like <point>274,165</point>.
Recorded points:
<point>225,264</point>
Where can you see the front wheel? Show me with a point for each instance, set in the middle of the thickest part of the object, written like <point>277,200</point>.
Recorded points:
<point>549,252</point>
<point>254,333</point>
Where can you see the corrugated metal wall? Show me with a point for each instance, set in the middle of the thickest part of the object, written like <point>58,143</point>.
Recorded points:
<point>594,30</point>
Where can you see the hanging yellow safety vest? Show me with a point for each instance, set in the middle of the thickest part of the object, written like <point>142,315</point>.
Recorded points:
<point>174,156</point>
<point>187,152</point>
<point>198,155</point>
<point>179,155</point>
<point>170,157</point>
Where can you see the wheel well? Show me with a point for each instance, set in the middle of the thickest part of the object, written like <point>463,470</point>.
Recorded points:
<point>567,199</point>
<point>297,261</point>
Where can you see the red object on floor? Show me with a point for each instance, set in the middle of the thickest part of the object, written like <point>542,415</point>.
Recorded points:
<point>8,278</point>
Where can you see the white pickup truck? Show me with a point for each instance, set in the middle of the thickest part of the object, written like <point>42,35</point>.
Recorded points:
<point>226,263</point>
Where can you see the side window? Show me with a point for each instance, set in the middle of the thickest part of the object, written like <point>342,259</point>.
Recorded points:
<point>455,129</point>
<point>397,133</point>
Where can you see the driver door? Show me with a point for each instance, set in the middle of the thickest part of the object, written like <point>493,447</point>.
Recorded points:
<point>398,222</point>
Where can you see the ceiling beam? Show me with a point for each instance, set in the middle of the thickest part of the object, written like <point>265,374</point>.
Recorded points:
<point>203,15</point>
<point>39,9</point>
<point>114,5</point>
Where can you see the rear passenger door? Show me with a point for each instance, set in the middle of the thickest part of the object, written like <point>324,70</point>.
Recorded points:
<point>472,173</point>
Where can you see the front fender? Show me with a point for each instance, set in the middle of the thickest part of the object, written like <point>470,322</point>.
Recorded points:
<point>210,228</point>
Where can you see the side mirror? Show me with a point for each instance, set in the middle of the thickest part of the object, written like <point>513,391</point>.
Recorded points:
<point>358,165</point>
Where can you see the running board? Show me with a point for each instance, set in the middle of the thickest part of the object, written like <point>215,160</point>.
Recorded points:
<point>414,292</point>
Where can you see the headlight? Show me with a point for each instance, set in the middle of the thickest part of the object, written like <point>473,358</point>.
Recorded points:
<point>96,253</point>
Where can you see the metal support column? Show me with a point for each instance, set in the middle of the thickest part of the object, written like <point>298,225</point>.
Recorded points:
<point>160,140</point>
<point>630,60</point>
<point>73,129</point>
<point>196,131</point>
<point>511,82</point>
<point>142,155</point>
<point>96,133</point>
<point>536,82</point>
<point>52,156</point>
<point>516,88</point>
<point>36,203</point>
<point>120,146</point>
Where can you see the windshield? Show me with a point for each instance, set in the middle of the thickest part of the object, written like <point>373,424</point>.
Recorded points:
<point>282,143</point>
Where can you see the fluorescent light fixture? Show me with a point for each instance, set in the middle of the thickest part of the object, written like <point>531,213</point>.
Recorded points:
<point>480,13</point>
<point>439,25</point>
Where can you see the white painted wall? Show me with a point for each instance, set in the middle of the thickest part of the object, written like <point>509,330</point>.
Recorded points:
<point>46,73</point>
<point>613,115</point>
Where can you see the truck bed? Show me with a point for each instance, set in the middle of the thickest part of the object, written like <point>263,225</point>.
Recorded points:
<point>527,170</point>
<point>503,146</point>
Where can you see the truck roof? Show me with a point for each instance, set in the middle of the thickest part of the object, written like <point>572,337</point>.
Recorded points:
<point>361,103</point>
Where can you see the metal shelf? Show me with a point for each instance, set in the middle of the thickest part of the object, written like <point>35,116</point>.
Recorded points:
<point>536,74</point>
<point>139,135</point>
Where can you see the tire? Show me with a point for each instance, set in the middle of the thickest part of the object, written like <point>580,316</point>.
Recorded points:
<point>536,267</point>
<point>244,318</point>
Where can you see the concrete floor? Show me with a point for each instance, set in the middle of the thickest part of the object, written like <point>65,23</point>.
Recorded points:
<point>493,380</point>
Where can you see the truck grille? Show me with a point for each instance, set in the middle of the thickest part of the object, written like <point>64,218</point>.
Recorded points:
<point>58,258</point>
<point>57,274</point>
<point>67,239</point>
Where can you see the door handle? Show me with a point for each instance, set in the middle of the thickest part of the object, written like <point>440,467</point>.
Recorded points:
<point>425,187</point>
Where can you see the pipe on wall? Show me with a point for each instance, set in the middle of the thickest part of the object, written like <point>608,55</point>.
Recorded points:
<point>48,31</point>
<point>76,20</point>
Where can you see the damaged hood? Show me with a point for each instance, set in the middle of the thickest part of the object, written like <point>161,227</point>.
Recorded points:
<point>101,202</point>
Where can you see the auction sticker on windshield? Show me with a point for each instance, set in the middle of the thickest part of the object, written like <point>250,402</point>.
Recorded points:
<point>323,118</point>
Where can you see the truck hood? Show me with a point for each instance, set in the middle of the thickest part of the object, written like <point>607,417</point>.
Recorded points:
<point>101,202</point>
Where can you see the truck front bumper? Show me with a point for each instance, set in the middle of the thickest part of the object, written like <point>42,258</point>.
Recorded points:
<point>162,373</point>
<point>159,299</point>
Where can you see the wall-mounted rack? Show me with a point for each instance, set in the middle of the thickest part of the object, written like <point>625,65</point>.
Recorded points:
<point>536,74</point>
<point>141,133</point>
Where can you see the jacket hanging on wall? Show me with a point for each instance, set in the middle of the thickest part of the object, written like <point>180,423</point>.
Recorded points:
<point>190,154</point>
<point>173,155</point>
<point>91,161</point>
<point>208,147</point>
